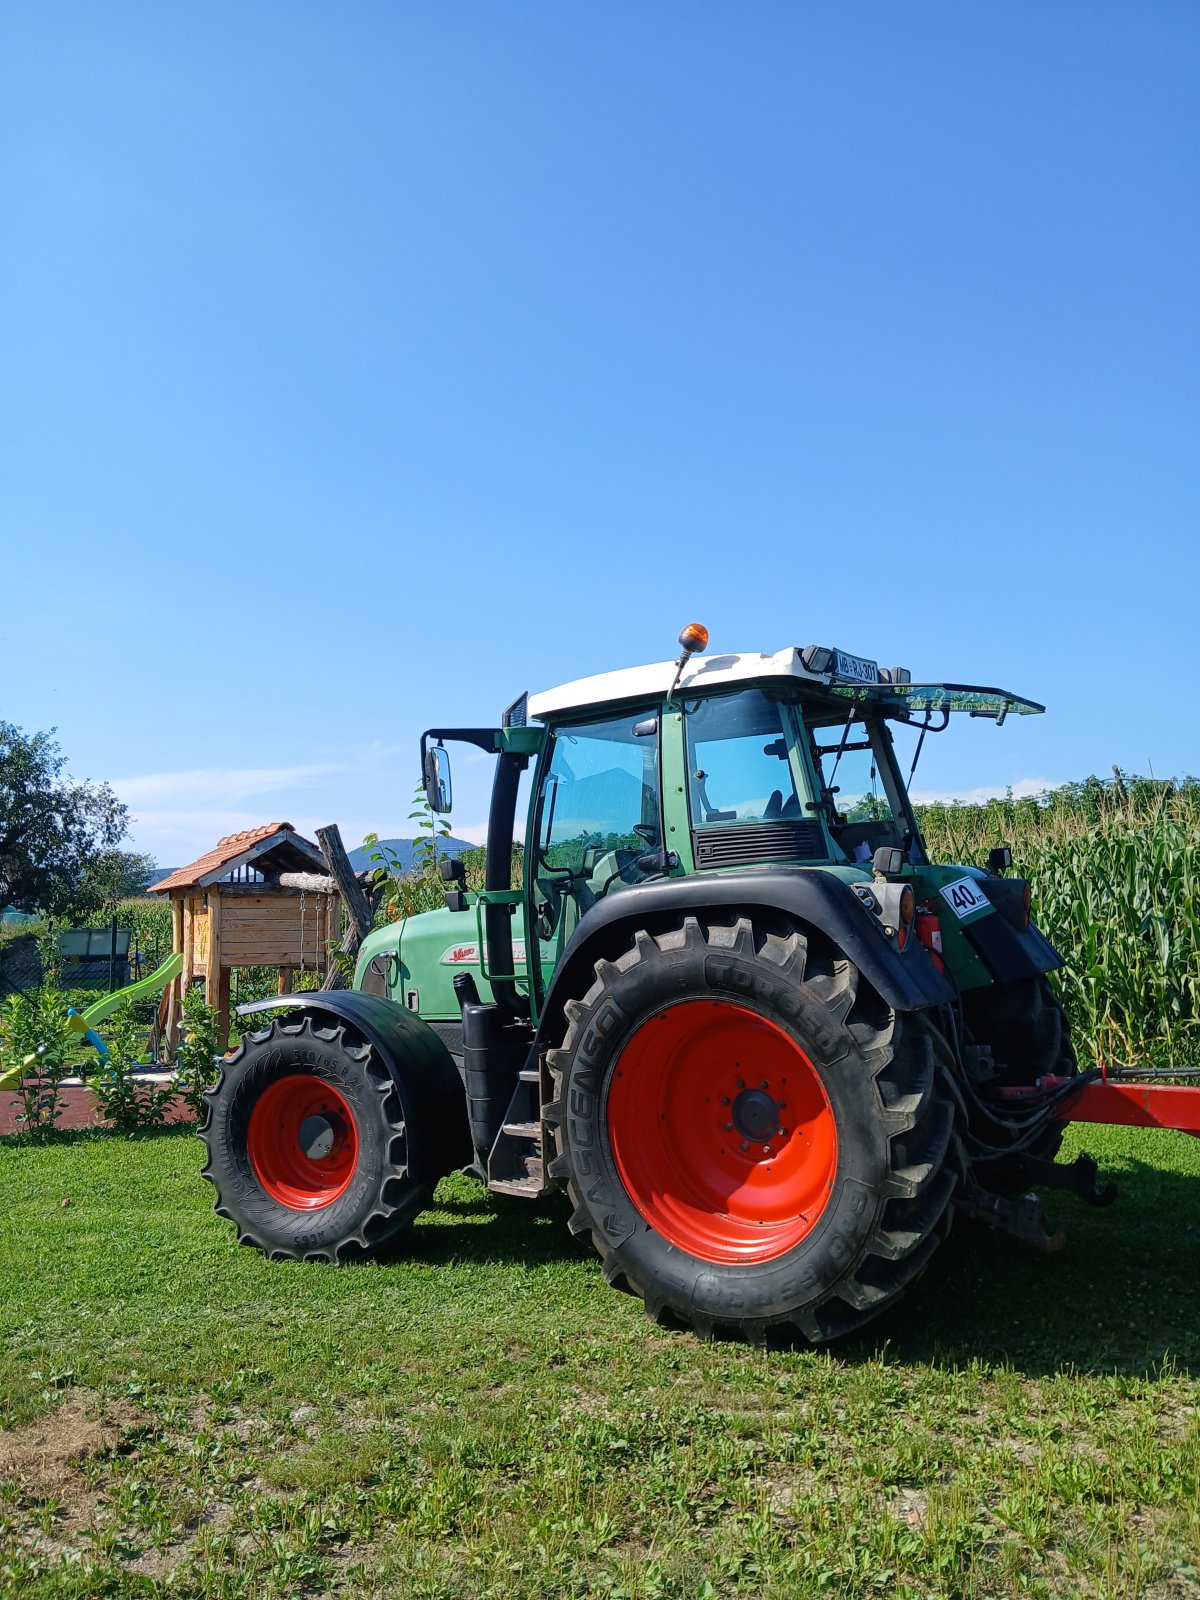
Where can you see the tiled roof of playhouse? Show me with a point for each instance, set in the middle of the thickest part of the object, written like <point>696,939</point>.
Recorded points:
<point>275,844</point>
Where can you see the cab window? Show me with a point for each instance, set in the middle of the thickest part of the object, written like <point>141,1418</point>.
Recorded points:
<point>738,761</point>
<point>850,758</point>
<point>850,771</point>
<point>598,808</point>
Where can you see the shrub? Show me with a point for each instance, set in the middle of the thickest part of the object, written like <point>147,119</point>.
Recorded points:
<point>199,1046</point>
<point>38,1026</point>
<point>127,1101</point>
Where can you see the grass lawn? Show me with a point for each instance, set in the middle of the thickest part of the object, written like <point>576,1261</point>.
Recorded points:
<point>481,1416</point>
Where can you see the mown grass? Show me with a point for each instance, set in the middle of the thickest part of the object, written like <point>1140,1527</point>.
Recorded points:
<point>481,1416</point>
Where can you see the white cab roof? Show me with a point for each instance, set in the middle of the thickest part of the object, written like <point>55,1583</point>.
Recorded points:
<point>652,682</point>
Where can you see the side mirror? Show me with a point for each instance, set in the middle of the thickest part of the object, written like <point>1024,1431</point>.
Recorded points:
<point>1000,859</point>
<point>438,790</point>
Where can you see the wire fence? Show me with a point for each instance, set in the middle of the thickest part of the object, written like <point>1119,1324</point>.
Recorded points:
<point>100,959</point>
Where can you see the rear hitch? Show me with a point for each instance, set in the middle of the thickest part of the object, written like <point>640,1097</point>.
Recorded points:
<point>1076,1177</point>
<point>1022,1218</point>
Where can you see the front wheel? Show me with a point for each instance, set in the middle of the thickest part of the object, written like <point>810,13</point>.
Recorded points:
<point>749,1136</point>
<point>308,1146</point>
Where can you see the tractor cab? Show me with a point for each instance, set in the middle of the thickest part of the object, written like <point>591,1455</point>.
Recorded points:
<point>777,763</point>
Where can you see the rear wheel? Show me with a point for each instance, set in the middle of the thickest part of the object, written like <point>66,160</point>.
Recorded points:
<point>750,1137</point>
<point>308,1145</point>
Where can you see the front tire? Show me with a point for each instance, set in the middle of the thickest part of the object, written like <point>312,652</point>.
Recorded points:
<point>308,1146</point>
<point>751,1138</point>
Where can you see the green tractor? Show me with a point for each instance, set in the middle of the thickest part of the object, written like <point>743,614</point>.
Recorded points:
<point>767,1047</point>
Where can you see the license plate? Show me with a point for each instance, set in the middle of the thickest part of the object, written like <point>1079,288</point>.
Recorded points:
<point>857,668</point>
<point>964,897</point>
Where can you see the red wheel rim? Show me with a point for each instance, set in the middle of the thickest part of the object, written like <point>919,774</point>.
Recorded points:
<point>722,1132</point>
<point>303,1142</point>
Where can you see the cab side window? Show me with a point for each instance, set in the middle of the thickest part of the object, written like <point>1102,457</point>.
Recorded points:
<point>598,809</point>
<point>857,806</point>
<point>738,766</point>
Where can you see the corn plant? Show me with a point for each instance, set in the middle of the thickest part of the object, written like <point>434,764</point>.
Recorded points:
<point>1115,869</point>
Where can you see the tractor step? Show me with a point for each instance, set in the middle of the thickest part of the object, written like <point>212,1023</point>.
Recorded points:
<point>515,1164</point>
<point>528,1187</point>
<point>523,1130</point>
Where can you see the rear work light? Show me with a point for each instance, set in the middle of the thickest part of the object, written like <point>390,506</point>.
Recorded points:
<point>894,904</point>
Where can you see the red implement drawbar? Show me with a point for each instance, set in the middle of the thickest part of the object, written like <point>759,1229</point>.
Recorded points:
<point>1136,1105</point>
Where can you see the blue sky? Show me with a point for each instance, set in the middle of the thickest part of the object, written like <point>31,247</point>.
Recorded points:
<point>366,364</point>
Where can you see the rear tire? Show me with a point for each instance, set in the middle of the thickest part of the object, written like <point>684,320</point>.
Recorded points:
<point>717,1212</point>
<point>308,1147</point>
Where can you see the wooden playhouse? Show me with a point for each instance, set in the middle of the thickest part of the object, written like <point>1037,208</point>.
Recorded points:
<point>260,898</point>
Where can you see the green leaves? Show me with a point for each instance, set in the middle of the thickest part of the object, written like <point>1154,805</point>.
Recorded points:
<point>1115,870</point>
<point>199,1045</point>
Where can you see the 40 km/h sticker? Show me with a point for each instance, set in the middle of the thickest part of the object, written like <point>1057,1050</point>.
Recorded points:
<point>964,896</point>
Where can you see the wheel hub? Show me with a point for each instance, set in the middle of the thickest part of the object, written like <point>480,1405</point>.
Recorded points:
<point>302,1141</point>
<point>755,1115</point>
<point>721,1131</point>
<point>316,1137</point>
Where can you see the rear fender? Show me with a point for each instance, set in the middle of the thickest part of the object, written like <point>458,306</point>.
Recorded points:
<point>907,981</point>
<point>423,1070</point>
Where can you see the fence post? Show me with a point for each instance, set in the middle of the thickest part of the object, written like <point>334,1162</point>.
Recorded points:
<point>112,954</point>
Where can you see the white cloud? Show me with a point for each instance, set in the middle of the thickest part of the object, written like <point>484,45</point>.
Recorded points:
<point>177,816</point>
<point>977,797</point>
<point>160,789</point>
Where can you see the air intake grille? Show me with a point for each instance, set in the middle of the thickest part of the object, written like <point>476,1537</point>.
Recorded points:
<point>758,841</point>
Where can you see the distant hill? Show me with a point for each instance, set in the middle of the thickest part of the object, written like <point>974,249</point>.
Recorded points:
<point>402,850</point>
<point>157,876</point>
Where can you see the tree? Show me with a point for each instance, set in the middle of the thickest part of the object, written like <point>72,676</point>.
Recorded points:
<point>113,876</point>
<point>52,829</point>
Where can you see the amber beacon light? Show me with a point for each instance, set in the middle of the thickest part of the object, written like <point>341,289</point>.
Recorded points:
<point>691,639</point>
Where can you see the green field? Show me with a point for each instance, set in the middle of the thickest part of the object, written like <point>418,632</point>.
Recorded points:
<point>480,1415</point>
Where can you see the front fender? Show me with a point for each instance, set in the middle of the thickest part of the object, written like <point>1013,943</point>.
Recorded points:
<point>907,981</point>
<point>423,1070</point>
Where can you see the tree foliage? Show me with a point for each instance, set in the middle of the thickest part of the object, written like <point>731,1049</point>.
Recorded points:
<point>113,876</point>
<point>53,830</point>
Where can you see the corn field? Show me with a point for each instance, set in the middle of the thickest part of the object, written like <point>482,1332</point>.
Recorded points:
<point>1115,869</point>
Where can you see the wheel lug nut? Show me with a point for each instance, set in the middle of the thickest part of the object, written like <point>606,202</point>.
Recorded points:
<point>745,1145</point>
<point>766,1149</point>
<point>762,1083</point>
<point>729,1127</point>
<point>724,1099</point>
<point>741,1083</point>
